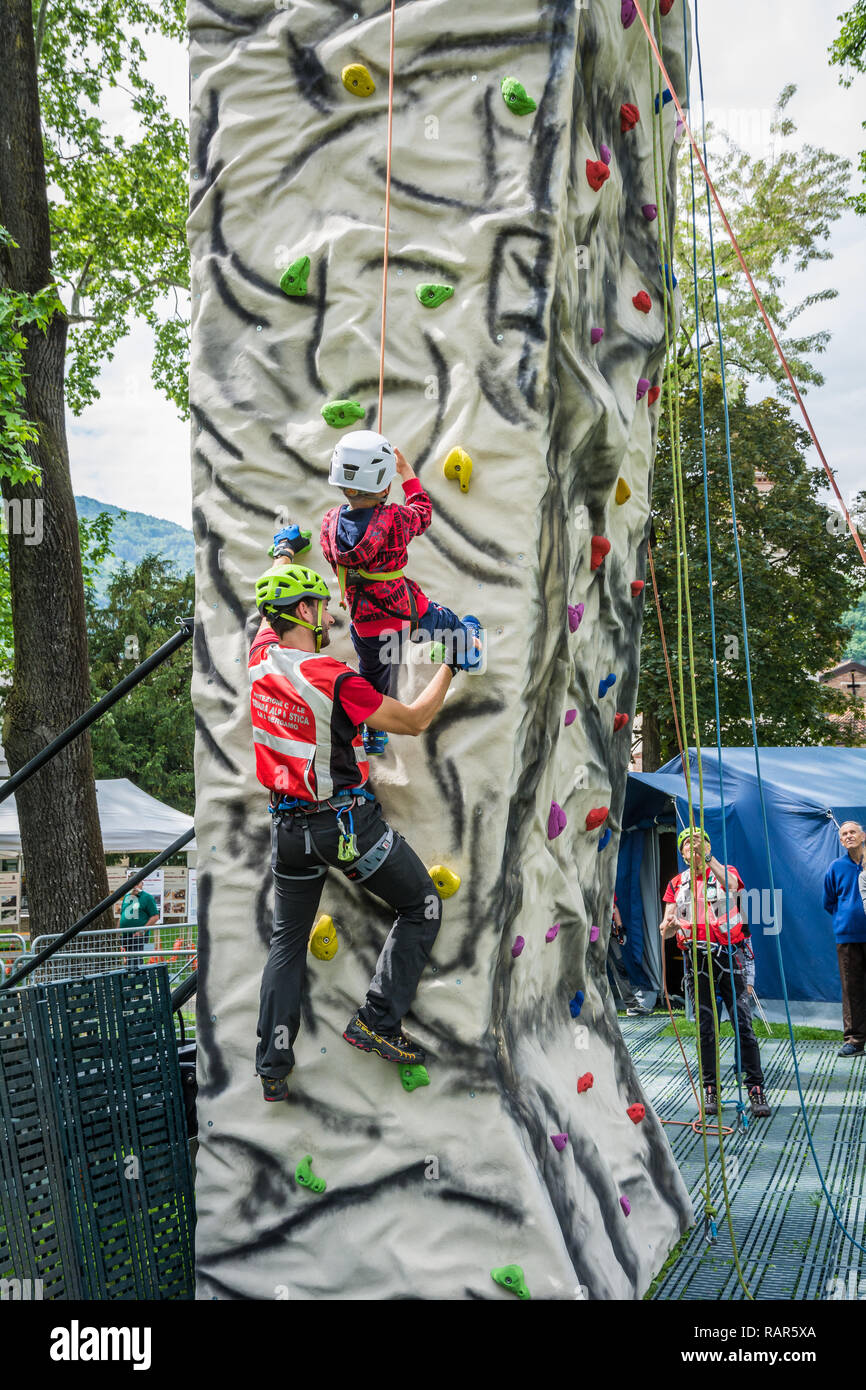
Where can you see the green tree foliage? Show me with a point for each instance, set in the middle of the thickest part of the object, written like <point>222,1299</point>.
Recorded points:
<point>848,52</point>
<point>781,207</point>
<point>148,736</point>
<point>17,312</point>
<point>118,203</point>
<point>856,620</point>
<point>799,581</point>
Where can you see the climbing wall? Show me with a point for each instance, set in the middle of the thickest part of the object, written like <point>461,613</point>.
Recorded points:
<point>543,365</point>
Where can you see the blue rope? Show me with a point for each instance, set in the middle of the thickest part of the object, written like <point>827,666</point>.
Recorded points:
<point>818,1168</point>
<point>741,1106</point>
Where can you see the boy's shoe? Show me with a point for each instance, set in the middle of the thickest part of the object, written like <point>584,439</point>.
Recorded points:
<point>758,1102</point>
<point>274,1089</point>
<point>711,1100</point>
<point>393,1047</point>
<point>375,741</point>
<point>473,656</point>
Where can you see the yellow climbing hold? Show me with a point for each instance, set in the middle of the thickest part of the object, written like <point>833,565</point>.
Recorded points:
<point>323,941</point>
<point>623,492</point>
<point>458,465</point>
<point>357,80</point>
<point>446,881</point>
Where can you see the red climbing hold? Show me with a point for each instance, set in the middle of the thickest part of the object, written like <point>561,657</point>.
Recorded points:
<point>619,721</point>
<point>559,1141</point>
<point>596,817</point>
<point>628,117</point>
<point>637,587</point>
<point>642,302</point>
<point>653,394</point>
<point>636,1112</point>
<point>552,932</point>
<point>666,6</point>
<point>570,716</point>
<point>556,821</point>
<point>600,547</point>
<point>584,1082</point>
<point>597,173</point>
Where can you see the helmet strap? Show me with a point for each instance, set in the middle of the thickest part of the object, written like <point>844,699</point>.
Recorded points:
<point>316,628</point>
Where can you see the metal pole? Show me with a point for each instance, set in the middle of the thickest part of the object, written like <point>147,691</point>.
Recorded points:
<point>90,716</point>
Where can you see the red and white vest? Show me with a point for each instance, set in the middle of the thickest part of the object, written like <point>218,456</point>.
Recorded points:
<point>707,910</point>
<point>305,744</point>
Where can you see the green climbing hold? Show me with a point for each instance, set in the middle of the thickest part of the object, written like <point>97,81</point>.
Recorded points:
<point>305,1177</point>
<point>511,1278</point>
<point>515,97</point>
<point>413,1077</point>
<point>294,278</point>
<point>342,413</point>
<point>431,296</point>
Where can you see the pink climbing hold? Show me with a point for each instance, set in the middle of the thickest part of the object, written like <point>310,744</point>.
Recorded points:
<point>559,1141</point>
<point>636,1112</point>
<point>650,211</point>
<point>625,1204</point>
<point>637,587</point>
<point>627,13</point>
<point>584,1082</point>
<point>596,335</point>
<point>518,946</point>
<point>556,821</point>
<point>597,173</point>
<point>619,722</point>
<point>642,302</point>
<point>604,154</point>
<point>629,116</point>
<point>596,817</point>
<point>654,393</point>
<point>575,614</point>
<point>642,387</point>
<point>594,933</point>
<point>552,932</point>
<point>599,548</point>
<point>570,716</point>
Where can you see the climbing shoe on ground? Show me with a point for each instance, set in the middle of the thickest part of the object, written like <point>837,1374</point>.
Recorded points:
<point>393,1047</point>
<point>711,1100</point>
<point>273,1089</point>
<point>758,1102</point>
<point>849,1050</point>
<point>375,741</point>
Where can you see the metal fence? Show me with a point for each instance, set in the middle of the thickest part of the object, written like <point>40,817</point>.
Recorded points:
<point>119,948</point>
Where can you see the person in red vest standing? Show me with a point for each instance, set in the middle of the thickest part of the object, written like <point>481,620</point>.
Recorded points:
<point>307,712</point>
<point>703,898</point>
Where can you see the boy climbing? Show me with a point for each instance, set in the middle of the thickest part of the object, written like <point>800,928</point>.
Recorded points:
<point>366,543</point>
<point>307,709</point>
<point>694,900</point>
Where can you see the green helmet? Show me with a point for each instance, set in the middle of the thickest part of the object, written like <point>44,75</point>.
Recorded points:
<point>278,591</point>
<point>690,834</point>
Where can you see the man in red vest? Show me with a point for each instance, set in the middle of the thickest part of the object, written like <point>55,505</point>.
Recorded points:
<point>307,712</point>
<point>703,898</point>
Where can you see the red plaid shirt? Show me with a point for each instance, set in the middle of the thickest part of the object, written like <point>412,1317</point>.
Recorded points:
<point>384,546</point>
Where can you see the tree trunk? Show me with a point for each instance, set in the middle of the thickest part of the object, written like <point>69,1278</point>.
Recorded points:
<point>60,833</point>
<point>651,747</point>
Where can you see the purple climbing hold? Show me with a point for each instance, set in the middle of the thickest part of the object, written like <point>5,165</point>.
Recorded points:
<point>575,614</point>
<point>680,130</point>
<point>602,844</point>
<point>650,211</point>
<point>596,335</point>
<point>642,387</point>
<point>559,1141</point>
<point>556,821</point>
<point>594,933</point>
<point>627,13</point>
<point>625,1204</point>
<point>576,1004</point>
<point>604,154</point>
<point>570,716</point>
<point>552,932</point>
<point>518,946</point>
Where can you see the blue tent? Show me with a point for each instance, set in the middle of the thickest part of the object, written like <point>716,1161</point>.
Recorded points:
<point>808,792</point>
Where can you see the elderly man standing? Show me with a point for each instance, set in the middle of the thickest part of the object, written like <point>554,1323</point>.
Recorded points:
<point>843,901</point>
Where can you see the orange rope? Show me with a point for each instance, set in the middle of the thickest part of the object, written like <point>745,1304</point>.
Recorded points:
<point>733,240</point>
<point>387,217</point>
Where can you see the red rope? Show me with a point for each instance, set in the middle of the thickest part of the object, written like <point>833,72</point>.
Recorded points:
<point>733,240</point>
<point>387,217</point>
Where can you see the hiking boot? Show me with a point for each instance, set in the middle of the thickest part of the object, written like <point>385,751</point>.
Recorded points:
<point>759,1102</point>
<point>849,1050</point>
<point>375,741</point>
<point>711,1100</point>
<point>274,1088</point>
<point>393,1047</point>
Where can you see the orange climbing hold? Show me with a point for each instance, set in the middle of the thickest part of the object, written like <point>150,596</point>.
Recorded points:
<point>623,492</point>
<point>597,172</point>
<point>600,547</point>
<point>628,117</point>
<point>619,722</point>
<point>642,302</point>
<point>584,1082</point>
<point>636,587</point>
<point>596,817</point>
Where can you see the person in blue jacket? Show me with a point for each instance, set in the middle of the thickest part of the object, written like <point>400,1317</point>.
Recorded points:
<point>843,901</point>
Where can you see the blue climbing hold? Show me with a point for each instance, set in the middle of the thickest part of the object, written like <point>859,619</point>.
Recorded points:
<point>605,685</point>
<point>603,842</point>
<point>576,1004</point>
<point>666,97</point>
<point>670,279</point>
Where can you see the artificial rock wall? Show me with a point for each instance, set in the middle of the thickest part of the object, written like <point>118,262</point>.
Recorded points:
<point>428,1191</point>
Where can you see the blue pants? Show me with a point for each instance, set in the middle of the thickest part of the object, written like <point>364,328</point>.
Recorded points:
<point>380,667</point>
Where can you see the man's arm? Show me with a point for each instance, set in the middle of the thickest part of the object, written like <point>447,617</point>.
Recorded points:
<point>730,882</point>
<point>151,920</point>
<point>830,892</point>
<point>667,926</point>
<point>393,717</point>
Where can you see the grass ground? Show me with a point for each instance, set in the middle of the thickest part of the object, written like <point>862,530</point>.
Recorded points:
<point>802,1032</point>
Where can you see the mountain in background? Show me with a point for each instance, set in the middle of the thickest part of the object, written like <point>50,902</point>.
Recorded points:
<point>136,535</point>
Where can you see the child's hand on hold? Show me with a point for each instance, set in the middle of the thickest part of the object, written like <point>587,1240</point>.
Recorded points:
<point>404,469</point>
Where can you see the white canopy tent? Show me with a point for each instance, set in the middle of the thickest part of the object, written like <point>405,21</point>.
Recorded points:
<point>131,820</point>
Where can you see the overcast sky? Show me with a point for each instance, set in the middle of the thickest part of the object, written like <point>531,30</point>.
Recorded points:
<point>131,449</point>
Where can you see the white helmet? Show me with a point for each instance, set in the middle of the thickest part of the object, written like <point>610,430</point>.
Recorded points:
<point>363,460</point>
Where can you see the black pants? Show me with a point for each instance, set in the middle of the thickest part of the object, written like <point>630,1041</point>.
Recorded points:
<point>401,881</point>
<point>852,973</point>
<point>749,1054</point>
